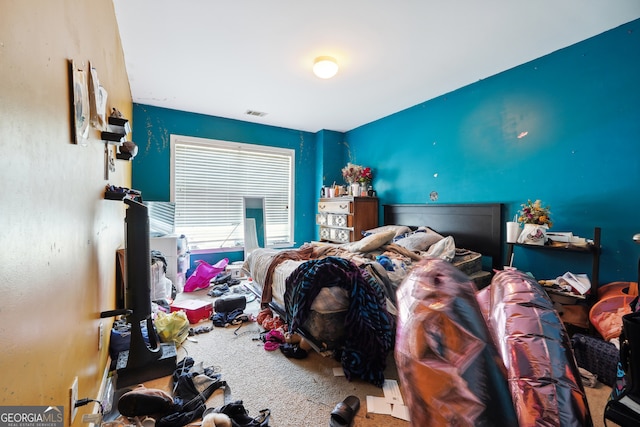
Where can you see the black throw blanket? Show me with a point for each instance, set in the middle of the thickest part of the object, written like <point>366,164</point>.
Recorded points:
<point>368,326</point>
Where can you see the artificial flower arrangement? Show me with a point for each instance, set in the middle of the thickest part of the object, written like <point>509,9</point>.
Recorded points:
<point>366,176</point>
<point>357,174</point>
<point>535,213</point>
<point>351,172</point>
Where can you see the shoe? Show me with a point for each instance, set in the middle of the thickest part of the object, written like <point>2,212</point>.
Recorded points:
<point>233,282</point>
<point>143,401</point>
<point>293,351</point>
<point>221,278</point>
<point>240,416</point>
<point>262,420</point>
<point>344,412</point>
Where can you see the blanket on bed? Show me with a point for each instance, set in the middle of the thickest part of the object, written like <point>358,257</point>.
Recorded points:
<point>368,326</point>
<point>304,253</point>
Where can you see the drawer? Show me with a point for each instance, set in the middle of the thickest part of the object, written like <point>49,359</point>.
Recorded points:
<point>339,220</point>
<point>340,235</point>
<point>325,233</point>
<point>321,219</point>
<point>337,206</point>
<point>334,220</point>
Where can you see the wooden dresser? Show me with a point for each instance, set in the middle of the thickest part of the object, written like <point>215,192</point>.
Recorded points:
<point>342,219</point>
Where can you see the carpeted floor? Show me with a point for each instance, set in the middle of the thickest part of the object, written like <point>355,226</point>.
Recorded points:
<point>297,392</point>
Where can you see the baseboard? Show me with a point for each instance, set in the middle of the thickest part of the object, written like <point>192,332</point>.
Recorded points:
<point>105,395</point>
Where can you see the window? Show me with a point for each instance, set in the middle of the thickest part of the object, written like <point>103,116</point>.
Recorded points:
<point>209,179</point>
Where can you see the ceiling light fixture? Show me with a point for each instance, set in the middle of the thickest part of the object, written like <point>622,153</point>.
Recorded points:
<point>325,67</point>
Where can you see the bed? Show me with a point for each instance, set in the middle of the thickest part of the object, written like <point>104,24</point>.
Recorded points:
<point>341,298</point>
<point>473,230</point>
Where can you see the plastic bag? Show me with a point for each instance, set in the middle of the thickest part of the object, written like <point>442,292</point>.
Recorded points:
<point>161,285</point>
<point>172,327</point>
<point>203,273</point>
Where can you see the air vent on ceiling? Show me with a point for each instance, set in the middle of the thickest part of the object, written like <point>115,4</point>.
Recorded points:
<point>255,113</point>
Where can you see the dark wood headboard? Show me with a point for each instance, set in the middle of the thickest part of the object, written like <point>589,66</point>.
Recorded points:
<point>477,227</point>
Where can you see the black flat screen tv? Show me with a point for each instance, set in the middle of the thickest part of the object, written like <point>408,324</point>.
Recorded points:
<point>137,296</point>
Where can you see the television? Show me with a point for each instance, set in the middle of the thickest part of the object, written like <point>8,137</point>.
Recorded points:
<point>137,297</point>
<point>143,361</point>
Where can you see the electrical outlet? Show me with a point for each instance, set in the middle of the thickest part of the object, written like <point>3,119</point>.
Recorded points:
<point>73,398</point>
<point>100,335</point>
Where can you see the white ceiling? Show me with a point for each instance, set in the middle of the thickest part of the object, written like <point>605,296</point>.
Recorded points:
<point>224,57</point>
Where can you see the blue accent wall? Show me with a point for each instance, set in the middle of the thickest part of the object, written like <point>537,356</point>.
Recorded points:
<point>564,128</point>
<point>580,109</point>
<point>151,169</point>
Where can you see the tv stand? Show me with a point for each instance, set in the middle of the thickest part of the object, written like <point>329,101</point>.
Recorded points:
<point>164,366</point>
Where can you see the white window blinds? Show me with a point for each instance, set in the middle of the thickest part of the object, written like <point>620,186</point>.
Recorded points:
<point>209,179</point>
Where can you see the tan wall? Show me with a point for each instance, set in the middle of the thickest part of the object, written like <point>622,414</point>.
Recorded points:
<point>59,237</point>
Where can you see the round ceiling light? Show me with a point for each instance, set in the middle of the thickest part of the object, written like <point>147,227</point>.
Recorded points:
<point>325,67</point>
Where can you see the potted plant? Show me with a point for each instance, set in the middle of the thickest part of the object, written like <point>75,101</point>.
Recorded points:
<point>365,178</point>
<point>537,220</point>
<point>359,179</point>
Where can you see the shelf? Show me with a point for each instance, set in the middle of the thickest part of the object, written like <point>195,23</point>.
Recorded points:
<point>566,247</point>
<point>575,313</point>
<point>120,193</point>
<point>592,249</point>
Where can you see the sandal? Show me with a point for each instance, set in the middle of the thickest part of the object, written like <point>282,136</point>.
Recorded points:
<point>344,412</point>
<point>263,418</point>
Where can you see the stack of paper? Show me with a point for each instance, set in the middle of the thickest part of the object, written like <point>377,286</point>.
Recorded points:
<point>391,404</point>
<point>560,236</point>
<point>580,283</point>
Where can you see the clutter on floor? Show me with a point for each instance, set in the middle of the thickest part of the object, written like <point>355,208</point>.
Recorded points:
<point>184,319</point>
<point>192,387</point>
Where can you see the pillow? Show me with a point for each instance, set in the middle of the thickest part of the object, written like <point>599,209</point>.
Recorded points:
<point>399,230</point>
<point>370,242</point>
<point>420,240</point>
<point>444,248</point>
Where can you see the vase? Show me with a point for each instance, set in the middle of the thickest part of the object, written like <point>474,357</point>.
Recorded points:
<point>355,189</point>
<point>533,234</point>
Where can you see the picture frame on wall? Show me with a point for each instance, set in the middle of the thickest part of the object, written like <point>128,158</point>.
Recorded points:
<point>80,110</point>
<point>97,100</point>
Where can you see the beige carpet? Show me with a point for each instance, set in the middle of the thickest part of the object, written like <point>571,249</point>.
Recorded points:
<point>298,392</point>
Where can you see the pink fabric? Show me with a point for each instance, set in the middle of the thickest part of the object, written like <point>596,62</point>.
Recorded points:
<point>498,357</point>
<point>448,366</point>
<point>541,369</point>
<point>271,345</point>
